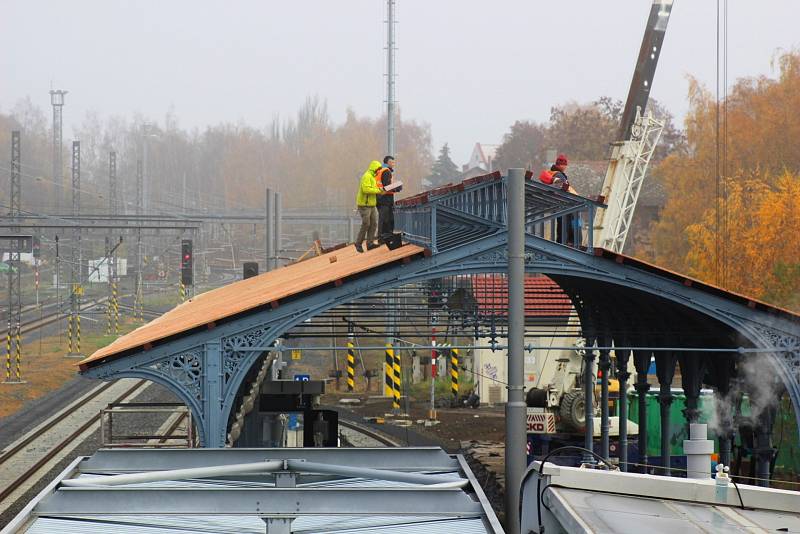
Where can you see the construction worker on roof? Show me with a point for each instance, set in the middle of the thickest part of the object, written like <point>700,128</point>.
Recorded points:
<point>557,177</point>
<point>366,202</point>
<point>384,178</point>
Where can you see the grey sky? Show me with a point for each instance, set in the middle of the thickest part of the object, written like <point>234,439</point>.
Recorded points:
<point>469,68</point>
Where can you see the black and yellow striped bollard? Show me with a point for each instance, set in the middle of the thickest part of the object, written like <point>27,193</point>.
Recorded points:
<point>454,372</point>
<point>116,307</point>
<point>396,398</point>
<point>69,334</point>
<point>388,371</point>
<point>77,333</point>
<point>109,315</point>
<point>18,352</point>
<point>8,353</point>
<point>351,367</point>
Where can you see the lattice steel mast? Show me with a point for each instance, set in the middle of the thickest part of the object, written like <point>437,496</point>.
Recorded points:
<point>57,101</point>
<point>74,327</point>
<point>13,341</point>
<point>390,78</point>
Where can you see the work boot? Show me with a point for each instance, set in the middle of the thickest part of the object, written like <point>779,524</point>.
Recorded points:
<point>359,248</point>
<point>370,246</point>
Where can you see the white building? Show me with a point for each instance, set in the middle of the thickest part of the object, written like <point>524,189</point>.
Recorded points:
<point>545,303</point>
<point>483,157</point>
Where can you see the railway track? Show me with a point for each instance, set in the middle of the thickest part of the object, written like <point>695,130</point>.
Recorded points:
<point>382,439</point>
<point>24,462</point>
<point>51,317</point>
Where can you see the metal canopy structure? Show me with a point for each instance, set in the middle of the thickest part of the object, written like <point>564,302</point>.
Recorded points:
<point>318,490</point>
<point>587,501</point>
<point>621,302</point>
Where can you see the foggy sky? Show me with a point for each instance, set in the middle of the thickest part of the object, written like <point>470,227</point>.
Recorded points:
<point>469,68</point>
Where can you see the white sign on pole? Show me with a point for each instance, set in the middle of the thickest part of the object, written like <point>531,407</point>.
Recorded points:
<point>98,271</point>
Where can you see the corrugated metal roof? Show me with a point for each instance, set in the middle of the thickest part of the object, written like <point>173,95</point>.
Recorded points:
<point>246,295</point>
<point>623,513</point>
<point>443,521</point>
<point>247,525</point>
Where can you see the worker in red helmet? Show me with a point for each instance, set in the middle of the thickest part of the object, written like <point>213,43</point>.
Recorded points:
<point>559,171</point>
<point>572,237</point>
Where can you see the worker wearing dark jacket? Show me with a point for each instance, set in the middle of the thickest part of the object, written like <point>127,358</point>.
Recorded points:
<point>560,180</point>
<point>386,202</point>
<point>559,170</point>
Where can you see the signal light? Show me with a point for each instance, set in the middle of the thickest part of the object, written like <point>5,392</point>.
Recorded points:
<point>187,271</point>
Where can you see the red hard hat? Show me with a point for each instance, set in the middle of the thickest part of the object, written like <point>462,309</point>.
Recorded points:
<point>562,159</point>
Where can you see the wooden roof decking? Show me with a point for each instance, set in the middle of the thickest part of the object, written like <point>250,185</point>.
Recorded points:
<point>246,295</point>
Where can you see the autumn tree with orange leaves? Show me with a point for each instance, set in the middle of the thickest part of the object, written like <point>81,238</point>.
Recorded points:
<point>743,232</point>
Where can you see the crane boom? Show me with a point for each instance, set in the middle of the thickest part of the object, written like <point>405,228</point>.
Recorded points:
<point>637,139</point>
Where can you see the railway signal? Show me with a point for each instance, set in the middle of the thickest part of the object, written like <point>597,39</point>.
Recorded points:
<point>186,263</point>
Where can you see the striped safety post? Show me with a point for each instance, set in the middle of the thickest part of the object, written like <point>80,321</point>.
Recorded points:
<point>182,291</point>
<point>396,367</point>
<point>351,367</point>
<point>69,334</point>
<point>18,352</point>
<point>454,372</point>
<point>109,314</point>
<point>138,305</point>
<point>77,333</point>
<point>116,307</point>
<point>388,371</point>
<point>8,352</point>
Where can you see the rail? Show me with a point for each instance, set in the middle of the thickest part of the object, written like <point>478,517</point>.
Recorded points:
<point>178,415</point>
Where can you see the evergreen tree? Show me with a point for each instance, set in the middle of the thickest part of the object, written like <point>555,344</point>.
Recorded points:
<point>443,169</point>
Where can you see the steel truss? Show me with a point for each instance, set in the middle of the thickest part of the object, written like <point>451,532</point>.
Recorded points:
<point>206,369</point>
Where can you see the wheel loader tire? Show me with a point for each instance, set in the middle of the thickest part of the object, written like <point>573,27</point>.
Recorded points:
<point>573,410</point>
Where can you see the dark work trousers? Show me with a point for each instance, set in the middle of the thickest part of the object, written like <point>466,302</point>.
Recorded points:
<point>385,221</point>
<point>570,223</point>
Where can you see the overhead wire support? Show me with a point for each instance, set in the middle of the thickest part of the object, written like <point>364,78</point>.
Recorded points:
<point>76,289</point>
<point>13,337</point>
<point>57,101</point>
<point>138,305</point>
<point>113,323</point>
<point>390,77</point>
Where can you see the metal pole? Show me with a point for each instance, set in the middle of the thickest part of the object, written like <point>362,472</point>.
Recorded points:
<point>516,458</point>
<point>137,291</point>
<point>112,183</point>
<point>269,208</point>
<point>277,239</point>
<point>434,370</point>
<point>588,395</point>
<point>623,357</point>
<point>605,366</point>
<point>390,75</point>
<point>75,267</point>
<point>14,286</point>
<point>145,189</point>
<point>57,100</point>
<point>642,360</point>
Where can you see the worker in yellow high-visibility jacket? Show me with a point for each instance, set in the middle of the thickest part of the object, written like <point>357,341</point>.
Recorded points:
<point>366,201</point>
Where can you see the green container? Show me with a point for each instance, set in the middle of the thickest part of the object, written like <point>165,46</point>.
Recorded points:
<point>678,426</point>
<point>784,433</point>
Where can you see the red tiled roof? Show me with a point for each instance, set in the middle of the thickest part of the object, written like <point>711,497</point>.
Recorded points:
<point>543,297</point>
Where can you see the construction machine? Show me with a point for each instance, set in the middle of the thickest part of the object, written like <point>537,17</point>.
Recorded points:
<point>556,402</point>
